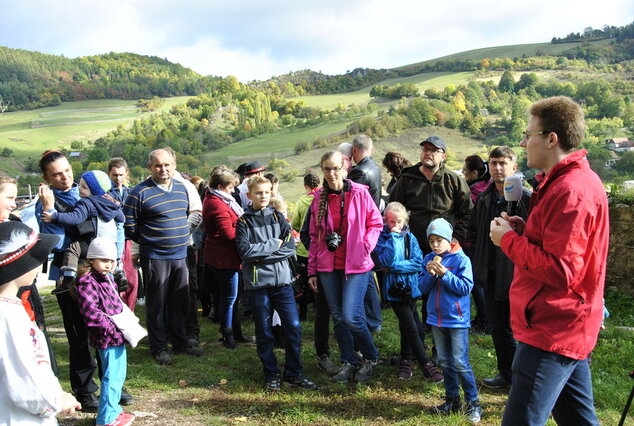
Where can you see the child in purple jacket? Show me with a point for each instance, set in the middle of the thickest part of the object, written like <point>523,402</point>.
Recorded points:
<point>98,300</point>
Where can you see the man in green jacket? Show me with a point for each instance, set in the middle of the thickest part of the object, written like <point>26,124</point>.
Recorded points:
<point>429,190</point>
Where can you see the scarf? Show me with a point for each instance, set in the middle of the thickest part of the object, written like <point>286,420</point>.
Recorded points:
<point>231,202</point>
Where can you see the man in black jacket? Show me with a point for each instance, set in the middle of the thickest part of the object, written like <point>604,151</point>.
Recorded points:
<point>491,268</point>
<point>366,171</point>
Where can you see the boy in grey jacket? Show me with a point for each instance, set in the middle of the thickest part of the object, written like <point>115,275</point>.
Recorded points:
<point>264,242</point>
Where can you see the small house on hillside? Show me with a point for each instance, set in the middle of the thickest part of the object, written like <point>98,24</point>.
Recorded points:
<point>76,155</point>
<point>613,159</point>
<point>620,144</point>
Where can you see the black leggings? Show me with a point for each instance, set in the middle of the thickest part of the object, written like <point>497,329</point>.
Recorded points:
<point>411,340</point>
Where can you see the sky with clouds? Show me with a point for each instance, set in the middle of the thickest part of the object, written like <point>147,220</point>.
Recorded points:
<point>254,39</point>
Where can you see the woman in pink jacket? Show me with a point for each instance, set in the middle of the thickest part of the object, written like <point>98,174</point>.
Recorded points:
<point>344,228</point>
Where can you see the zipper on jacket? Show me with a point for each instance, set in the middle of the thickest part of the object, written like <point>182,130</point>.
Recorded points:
<point>439,322</point>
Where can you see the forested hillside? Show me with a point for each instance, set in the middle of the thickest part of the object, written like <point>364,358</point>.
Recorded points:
<point>33,80</point>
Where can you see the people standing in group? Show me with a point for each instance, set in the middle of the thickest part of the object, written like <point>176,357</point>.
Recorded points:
<point>311,183</point>
<point>429,190</point>
<point>30,392</point>
<point>448,280</point>
<point>118,172</point>
<point>345,224</point>
<point>492,269</point>
<point>367,172</point>
<point>559,253</point>
<point>394,163</point>
<point>156,214</point>
<point>398,251</point>
<point>98,299</point>
<point>58,174</point>
<point>265,243</point>
<point>222,261</point>
<point>251,169</point>
<point>477,174</point>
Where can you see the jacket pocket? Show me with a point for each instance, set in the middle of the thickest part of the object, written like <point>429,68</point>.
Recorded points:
<point>254,277</point>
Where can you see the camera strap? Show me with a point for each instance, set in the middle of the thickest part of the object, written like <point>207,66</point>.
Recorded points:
<point>341,207</point>
<point>406,238</point>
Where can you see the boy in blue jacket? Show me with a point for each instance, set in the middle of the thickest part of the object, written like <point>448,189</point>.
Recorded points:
<point>265,243</point>
<point>399,253</point>
<point>448,279</point>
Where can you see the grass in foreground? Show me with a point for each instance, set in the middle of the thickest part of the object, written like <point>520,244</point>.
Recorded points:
<point>226,387</point>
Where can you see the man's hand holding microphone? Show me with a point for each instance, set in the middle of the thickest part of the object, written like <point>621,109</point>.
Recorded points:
<point>509,221</point>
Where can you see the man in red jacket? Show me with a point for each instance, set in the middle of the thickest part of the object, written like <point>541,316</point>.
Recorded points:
<point>560,256</point>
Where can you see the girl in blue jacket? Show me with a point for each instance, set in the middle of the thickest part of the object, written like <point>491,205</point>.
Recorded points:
<point>448,280</point>
<point>399,253</point>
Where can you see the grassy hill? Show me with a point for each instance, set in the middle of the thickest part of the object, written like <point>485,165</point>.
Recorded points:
<point>29,133</point>
<point>510,51</point>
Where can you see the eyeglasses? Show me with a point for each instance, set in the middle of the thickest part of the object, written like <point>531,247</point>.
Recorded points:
<point>334,170</point>
<point>431,150</point>
<point>534,133</point>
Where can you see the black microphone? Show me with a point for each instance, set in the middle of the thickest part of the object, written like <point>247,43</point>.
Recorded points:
<point>513,194</point>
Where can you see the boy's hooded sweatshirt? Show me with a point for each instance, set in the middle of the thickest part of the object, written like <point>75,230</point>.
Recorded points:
<point>264,262</point>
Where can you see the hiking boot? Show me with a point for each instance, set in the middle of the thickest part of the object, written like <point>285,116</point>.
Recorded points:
<point>273,384</point>
<point>326,365</point>
<point>191,351</point>
<point>473,411</point>
<point>451,405</point>
<point>124,419</point>
<point>126,398</point>
<point>89,402</point>
<point>405,370</point>
<point>364,373</point>
<point>163,358</point>
<point>498,382</point>
<point>431,373</point>
<point>300,382</point>
<point>227,338</point>
<point>345,373</point>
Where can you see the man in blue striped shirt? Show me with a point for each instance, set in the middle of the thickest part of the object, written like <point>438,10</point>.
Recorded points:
<point>156,218</point>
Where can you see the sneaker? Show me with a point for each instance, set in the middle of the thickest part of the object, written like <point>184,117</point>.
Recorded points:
<point>474,411</point>
<point>273,384</point>
<point>89,402</point>
<point>191,351</point>
<point>498,382</point>
<point>345,373</point>
<point>141,301</point>
<point>300,382</point>
<point>326,365</point>
<point>126,398</point>
<point>405,370</point>
<point>163,358</point>
<point>431,373</point>
<point>451,405</point>
<point>123,419</point>
<point>364,373</point>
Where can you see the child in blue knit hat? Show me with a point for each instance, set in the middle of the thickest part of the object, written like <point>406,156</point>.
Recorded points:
<point>448,279</point>
<point>94,215</point>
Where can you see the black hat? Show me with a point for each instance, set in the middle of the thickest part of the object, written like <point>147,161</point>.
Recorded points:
<point>22,249</point>
<point>436,141</point>
<point>253,168</point>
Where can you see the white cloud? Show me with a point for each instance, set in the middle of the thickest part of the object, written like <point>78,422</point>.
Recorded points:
<point>252,39</point>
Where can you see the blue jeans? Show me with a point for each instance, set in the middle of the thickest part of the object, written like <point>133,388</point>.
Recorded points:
<point>227,281</point>
<point>263,301</point>
<point>372,305</point>
<point>345,295</point>
<point>452,345</point>
<point>544,382</point>
<point>114,364</point>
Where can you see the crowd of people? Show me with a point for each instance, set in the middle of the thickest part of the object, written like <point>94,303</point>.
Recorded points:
<point>351,247</point>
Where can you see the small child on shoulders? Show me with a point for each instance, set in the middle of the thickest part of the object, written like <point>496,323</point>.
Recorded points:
<point>95,214</point>
<point>265,243</point>
<point>98,300</point>
<point>448,279</point>
<point>398,251</point>
<point>30,392</point>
